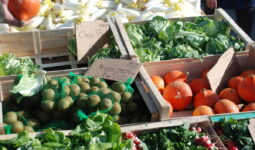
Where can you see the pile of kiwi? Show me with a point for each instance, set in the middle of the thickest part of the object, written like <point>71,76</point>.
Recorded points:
<point>62,97</point>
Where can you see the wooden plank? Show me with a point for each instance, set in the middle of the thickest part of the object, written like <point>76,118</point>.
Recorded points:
<point>147,99</point>
<point>157,98</point>
<point>118,38</point>
<point>220,13</point>
<point>125,38</point>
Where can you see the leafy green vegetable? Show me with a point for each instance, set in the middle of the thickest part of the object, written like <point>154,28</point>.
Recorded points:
<point>176,138</point>
<point>30,85</point>
<point>160,39</point>
<point>236,131</point>
<point>11,65</point>
<point>99,132</point>
<point>72,46</point>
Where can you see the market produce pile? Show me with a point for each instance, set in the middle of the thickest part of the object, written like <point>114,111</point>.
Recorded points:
<point>97,132</point>
<point>161,39</point>
<point>59,14</point>
<point>235,134</point>
<point>180,91</point>
<point>182,137</point>
<point>64,102</point>
<point>11,65</point>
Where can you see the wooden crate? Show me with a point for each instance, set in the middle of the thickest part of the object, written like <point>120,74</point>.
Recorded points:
<point>152,127</point>
<point>6,86</point>
<point>203,122</point>
<point>193,67</point>
<point>219,15</point>
<point>49,48</point>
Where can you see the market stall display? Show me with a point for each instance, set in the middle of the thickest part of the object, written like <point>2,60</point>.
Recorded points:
<point>101,129</point>
<point>234,134</point>
<point>74,96</point>
<point>196,37</point>
<point>62,14</point>
<point>56,50</point>
<point>191,94</point>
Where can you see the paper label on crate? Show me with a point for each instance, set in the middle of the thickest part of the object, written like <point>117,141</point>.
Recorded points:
<point>225,68</point>
<point>251,128</point>
<point>114,69</point>
<point>88,35</point>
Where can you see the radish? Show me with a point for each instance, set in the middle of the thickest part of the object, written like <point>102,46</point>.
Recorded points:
<point>233,148</point>
<point>130,135</point>
<point>199,130</point>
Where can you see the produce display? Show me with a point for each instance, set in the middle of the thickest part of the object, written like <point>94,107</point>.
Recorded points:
<point>59,14</point>
<point>183,137</point>
<point>235,134</point>
<point>64,102</point>
<point>11,65</point>
<point>161,39</point>
<point>180,93</point>
<point>98,132</point>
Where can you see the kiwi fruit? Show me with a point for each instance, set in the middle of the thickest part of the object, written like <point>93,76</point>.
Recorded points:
<point>132,107</point>
<point>70,99</point>
<point>102,84</point>
<point>34,123</point>
<point>53,83</point>
<point>81,95</point>
<point>75,89</point>
<point>66,90</point>
<point>65,80</point>
<point>105,104</point>
<point>95,80</point>
<point>114,96</point>
<point>47,105</point>
<point>104,91</point>
<point>116,109</point>
<point>84,79</point>
<point>48,94</point>
<point>93,100</point>
<point>64,104</point>
<point>118,87</point>
<point>17,127</point>
<point>94,89</point>
<point>126,97</point>
<point>82,102</point>
<point>79,79</point>
<point>10,117</point>
<point>84,86</point>
<point>43,116</point>
<point>28,129</point>
<point>22,114</point>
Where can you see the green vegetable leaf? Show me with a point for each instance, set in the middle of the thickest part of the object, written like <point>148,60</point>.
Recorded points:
<point>30,85</point>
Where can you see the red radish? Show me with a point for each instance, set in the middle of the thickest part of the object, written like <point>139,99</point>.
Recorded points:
<point>130,135</point>
<point>208,143</point>
<point>134,148</point>
<point>231,144</point>
<point>203,139</point>
<point>193,129</point>
<point>137,141</point>
<point>199,130</point>
<point>233,148</point>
